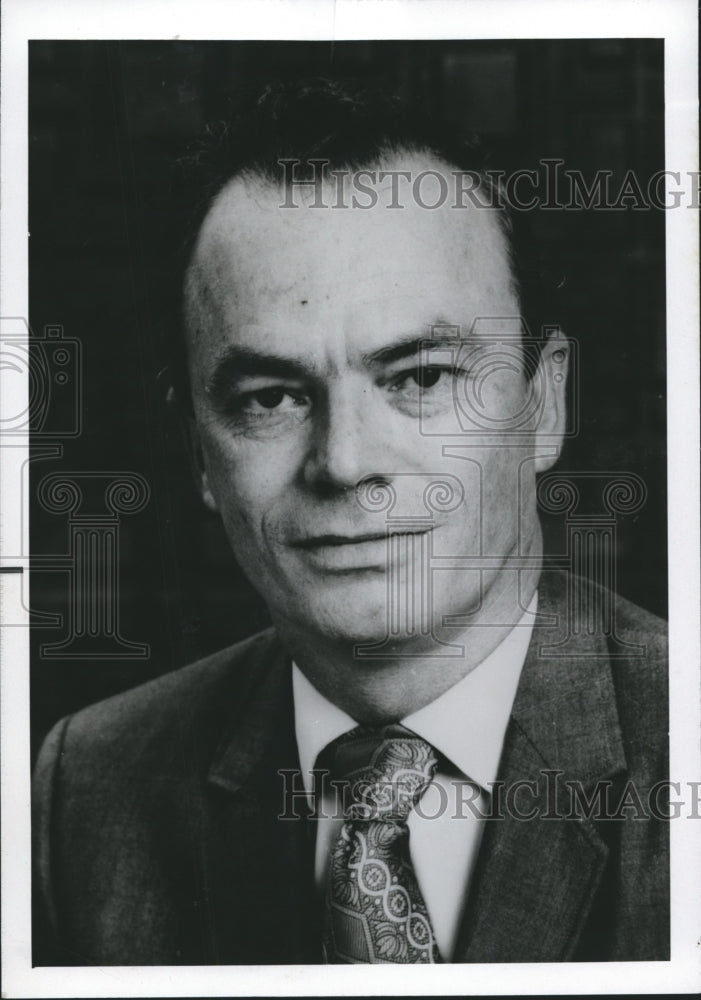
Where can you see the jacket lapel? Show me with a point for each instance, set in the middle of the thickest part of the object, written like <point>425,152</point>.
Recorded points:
<point>536,878</point>
<point>258,868</point>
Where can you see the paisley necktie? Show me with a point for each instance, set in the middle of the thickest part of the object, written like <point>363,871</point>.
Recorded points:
<point>374,908</point>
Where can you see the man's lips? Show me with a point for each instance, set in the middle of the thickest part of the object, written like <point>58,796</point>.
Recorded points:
<point>330,539</point>
<point>315,541</point>
<point>333,551</point>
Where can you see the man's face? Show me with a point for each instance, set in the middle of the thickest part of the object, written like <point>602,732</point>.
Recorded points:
<point>309,378</point>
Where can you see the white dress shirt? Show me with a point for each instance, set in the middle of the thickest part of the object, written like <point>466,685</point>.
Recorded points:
<point>466,724</point>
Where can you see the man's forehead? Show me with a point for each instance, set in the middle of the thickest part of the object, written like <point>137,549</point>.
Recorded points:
<point>413,196</point>
<point>258,262</point>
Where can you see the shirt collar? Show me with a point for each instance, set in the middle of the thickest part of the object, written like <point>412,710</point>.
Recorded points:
<point>467,723</point>
<point>317,722</point>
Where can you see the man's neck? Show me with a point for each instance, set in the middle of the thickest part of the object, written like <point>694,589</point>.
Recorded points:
<point>392,685</point>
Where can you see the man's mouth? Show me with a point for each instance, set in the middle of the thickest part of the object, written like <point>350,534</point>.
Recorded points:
<point>331,539</point>
<point>365,551</point>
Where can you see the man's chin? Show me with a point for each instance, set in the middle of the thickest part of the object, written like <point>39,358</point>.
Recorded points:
<point>352,611</point>
<point>352,628</point>
<point>358,619</point>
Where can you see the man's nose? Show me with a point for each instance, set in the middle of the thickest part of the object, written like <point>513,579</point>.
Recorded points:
<point>344,446</point>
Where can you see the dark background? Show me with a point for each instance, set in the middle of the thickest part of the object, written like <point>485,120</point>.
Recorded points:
<point>107,119</point>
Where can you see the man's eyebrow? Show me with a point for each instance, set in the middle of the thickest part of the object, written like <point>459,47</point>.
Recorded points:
<point>407,348</point>
<point>238,362</point>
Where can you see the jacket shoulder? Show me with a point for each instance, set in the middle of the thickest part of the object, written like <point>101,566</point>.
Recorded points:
<point>636,625</point>
<point>631,633</point>
<point>640,671</point>
<point>138,723</point>
<point>118,796</point>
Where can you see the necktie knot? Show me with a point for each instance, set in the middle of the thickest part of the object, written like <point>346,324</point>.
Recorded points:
<point>384,772</point>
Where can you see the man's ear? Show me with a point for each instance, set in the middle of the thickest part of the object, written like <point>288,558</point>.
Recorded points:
<point>550,380</point>
<point>193,446</point>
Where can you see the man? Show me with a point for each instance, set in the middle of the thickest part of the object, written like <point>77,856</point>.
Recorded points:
<point>388,774</point>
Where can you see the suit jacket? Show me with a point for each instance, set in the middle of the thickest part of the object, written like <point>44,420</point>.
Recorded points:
<point>157,837</point>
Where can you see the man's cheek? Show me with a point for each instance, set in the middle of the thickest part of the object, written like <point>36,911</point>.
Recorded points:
<point>239,528</point>
<point>236,476</point>
<point>239,500</point>
<point>501,488</point>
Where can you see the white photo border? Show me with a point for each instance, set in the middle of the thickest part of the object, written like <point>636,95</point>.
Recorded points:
<point>673,20</point>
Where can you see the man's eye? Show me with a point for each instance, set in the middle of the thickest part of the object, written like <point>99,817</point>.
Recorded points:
<point>424,377</point>
<point>427,377</point>
<point>270,398</point>
<point>269,404</point>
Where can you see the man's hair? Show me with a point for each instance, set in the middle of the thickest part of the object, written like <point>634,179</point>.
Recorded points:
<point>349,127</point>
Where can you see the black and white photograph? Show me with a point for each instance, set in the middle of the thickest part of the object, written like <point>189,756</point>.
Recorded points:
<point>348,493</point>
